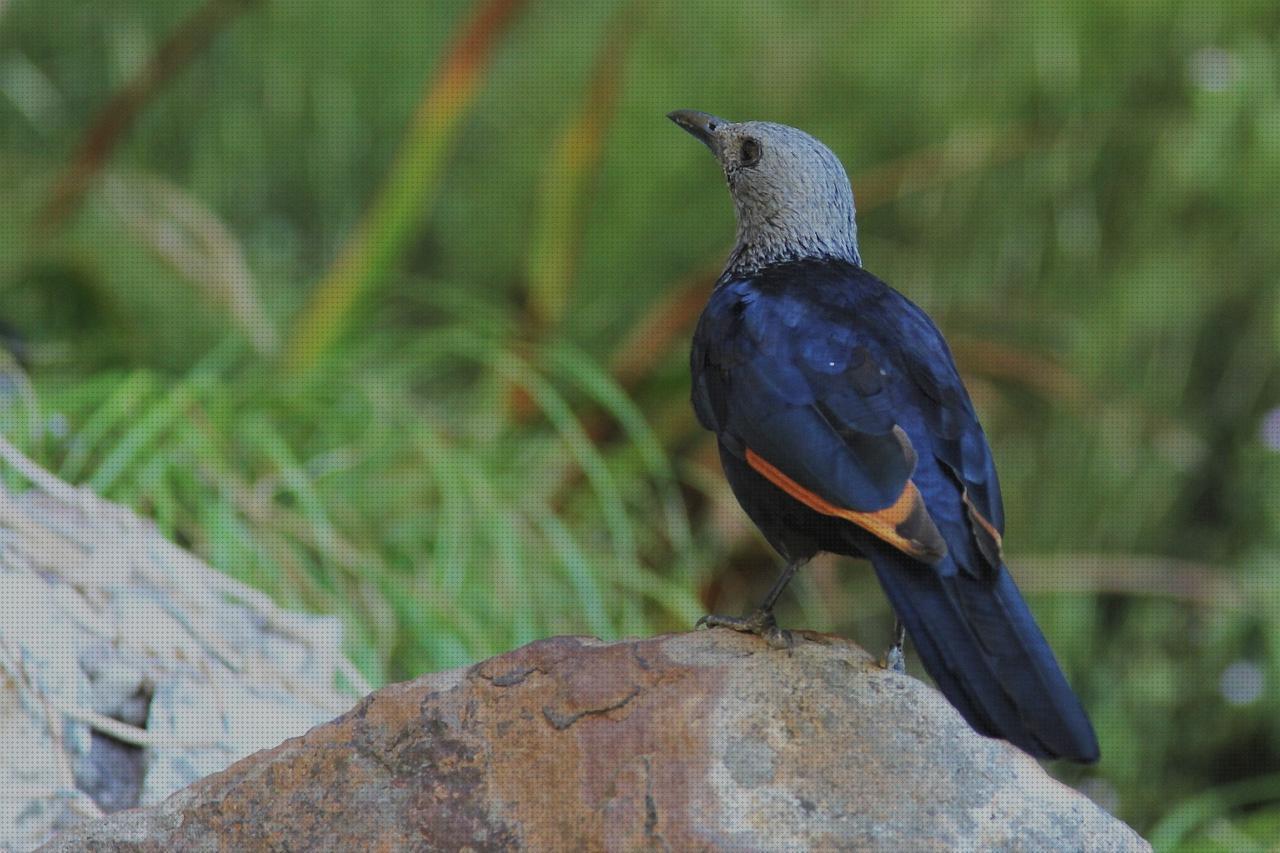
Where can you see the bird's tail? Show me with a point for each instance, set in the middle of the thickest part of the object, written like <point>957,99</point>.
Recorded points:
<point>978,641</point>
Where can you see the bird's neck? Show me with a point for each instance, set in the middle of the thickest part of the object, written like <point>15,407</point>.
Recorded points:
<point>757,249</point>
<point>811,228</point>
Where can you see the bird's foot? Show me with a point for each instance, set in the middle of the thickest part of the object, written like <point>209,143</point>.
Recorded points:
<point>894,660</point>
<point>761,623</point>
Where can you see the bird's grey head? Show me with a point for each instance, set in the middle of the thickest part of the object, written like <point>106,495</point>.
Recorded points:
<point>790,193</point>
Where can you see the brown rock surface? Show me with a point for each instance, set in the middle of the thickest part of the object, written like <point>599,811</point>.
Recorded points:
<point>701,741</point>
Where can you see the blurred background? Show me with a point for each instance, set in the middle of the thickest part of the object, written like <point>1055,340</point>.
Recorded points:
<point>384,309</point>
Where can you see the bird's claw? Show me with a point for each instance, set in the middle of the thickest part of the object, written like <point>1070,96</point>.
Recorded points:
<point>761,623</point>
<point>894,660</point>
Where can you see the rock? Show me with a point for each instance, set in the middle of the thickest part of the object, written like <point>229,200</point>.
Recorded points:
<point>130,669</point>
<point>700,741</point>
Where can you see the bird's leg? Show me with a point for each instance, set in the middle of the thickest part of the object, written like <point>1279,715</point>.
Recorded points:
<point>894,659</point>
<point>761,623</point>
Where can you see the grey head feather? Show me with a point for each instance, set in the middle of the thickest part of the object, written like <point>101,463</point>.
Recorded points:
<point>790,193</point>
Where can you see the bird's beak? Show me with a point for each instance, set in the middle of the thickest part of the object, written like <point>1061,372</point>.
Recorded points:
<point>701,125</point>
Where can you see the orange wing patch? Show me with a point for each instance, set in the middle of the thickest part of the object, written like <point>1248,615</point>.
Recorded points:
<point>905,524</point>
<point>985,534</point>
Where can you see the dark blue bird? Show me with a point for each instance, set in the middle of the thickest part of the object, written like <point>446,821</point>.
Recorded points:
<point>843,426</point>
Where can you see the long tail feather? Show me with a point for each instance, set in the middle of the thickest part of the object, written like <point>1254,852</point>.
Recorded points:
<point>979,642</point>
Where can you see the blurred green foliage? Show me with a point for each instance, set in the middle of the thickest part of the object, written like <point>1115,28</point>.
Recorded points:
<point>500,448</point>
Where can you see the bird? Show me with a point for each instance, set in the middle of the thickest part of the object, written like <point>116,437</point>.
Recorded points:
<point>843,426</point>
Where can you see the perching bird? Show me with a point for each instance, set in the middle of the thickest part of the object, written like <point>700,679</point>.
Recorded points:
<point>843,426</point>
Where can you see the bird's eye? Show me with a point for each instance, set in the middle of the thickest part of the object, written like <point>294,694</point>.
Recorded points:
<point>750,152</point>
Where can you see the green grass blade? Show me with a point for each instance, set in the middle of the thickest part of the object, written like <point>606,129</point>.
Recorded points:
<point>407,191</point>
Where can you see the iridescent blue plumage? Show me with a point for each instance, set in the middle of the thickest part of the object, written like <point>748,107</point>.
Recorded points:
<point>844,426</point>
<point>812,365</point>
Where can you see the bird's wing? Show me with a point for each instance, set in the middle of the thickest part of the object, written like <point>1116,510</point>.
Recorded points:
<point>801,392</point>
<point>956,438</point>
<point>823,397</point>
